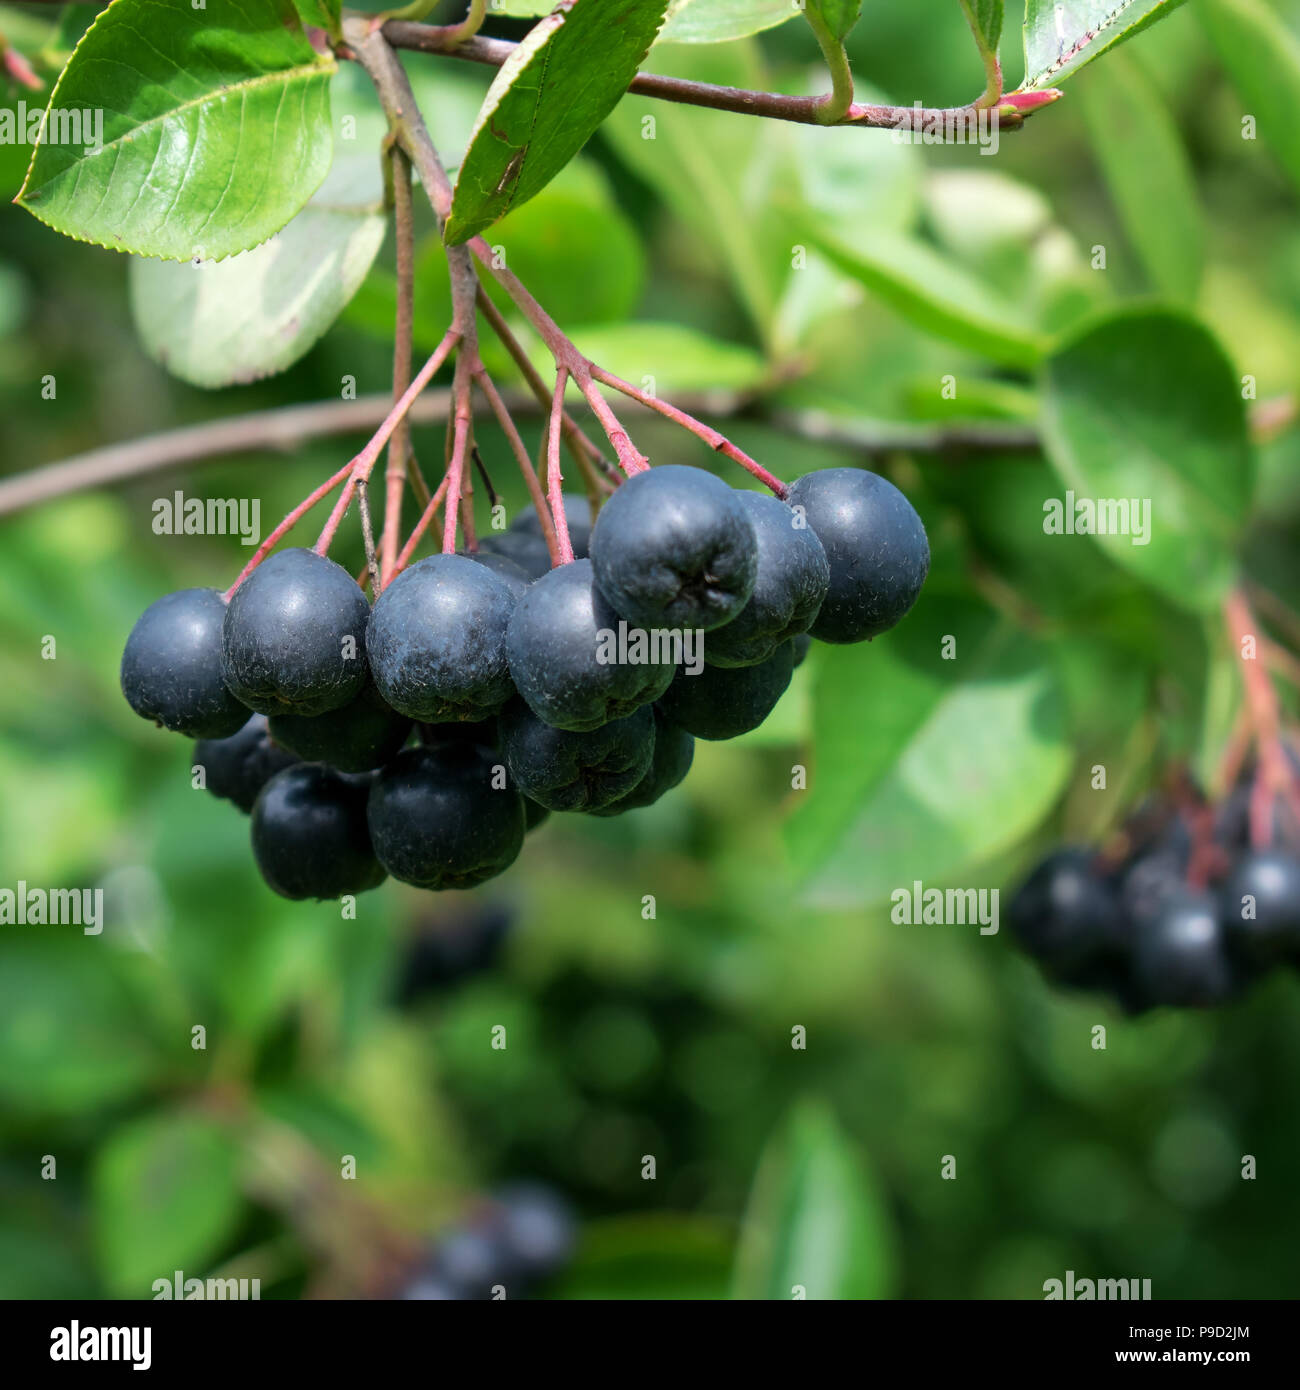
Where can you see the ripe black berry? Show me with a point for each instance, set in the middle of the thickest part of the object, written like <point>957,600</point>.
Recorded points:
<point>725,703</point>
<point>309,834</point>
<point>238,767</point>
<point>295,636</point>
<point>529,552</point>
<point>469,1260</point>
<point>567,771</point>
<point>437,640</point>
<point>536,1229</point>
<point>1180,957</point>
<point>355,738</point>
<point>558,635</point>
<point>1261,906</point>
<point>1065,915</point>
<point>445,817</point>
<point>577,512</point>
<point>172,667</point>
<point>674,547</point>
<point>1155,876</point>
<point>673,755</point>
<point>515,577</point>
<point>876,546</point>
<point>789,586</point>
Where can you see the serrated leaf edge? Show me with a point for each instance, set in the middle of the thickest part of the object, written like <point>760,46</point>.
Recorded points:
<point>322,64</point>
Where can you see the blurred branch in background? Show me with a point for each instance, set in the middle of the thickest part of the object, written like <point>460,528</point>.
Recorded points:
<point>287,428</point>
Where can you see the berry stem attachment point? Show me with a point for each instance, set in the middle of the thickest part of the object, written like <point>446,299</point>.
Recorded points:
<point>421,526</point>
<point>287,525</point>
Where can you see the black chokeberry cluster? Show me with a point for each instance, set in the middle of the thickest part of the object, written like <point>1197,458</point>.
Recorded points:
<point>424,735</point>
<point>1182,910</point>
<point>522,1236</point>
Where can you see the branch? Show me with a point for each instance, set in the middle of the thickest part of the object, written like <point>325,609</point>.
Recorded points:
<point>424,38</point>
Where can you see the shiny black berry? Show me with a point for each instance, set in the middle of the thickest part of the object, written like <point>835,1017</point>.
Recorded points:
<point>172,671</point>
<point>309,834</point>
<point>238,767</point>
<point>295,636</point>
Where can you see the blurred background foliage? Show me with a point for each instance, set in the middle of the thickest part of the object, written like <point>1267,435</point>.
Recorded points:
<point>672,1036</point>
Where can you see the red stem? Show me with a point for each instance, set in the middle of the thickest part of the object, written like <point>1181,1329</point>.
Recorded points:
<point>511,431</point>
<point>421,526</point>
<point>719,443</point>
<point>287,525</point>
<point>554,478</point>
<point>1274,774</point>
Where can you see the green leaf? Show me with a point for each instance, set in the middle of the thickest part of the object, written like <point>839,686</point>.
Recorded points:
<point>869,701</point>
<point>996,738</point>
<point>838,16</point>
<point>323,14</point>
<point>1145,164</point>
<point>656,1256</point>
<point>932,293</point>
<point>1262,56</point>
<point>1062,36</point>
<point>215,129</point>
<point>816,1225</point>
<point>522,9</point>
<point>235,321</point>
<point>1145,405</point>
<point>719,21</point>
<point>69,1036</point>
<point>985,18</point>
<point>165,1197</point>
<point>549,97</point>
<point>669,357</point>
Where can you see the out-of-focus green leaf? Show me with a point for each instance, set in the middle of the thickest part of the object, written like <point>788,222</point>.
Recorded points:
<point>553,91</point>
<point>709,168</point>
<point>1061,36</point>
<point>659,1256</point>
<point>668,357</point>
<point>1143,405</point>
<point>1262,56</point>
<point>165,1197</point>
<point>717,21</point>
<point>575,241</point>
<point>1145,164</point>
<point>995,739</point>
<point>69,1035</point>
<point>815,1227</point>
<point>933,294</point>
<point>869,701</point>
<point>215,132</point>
